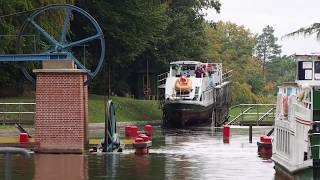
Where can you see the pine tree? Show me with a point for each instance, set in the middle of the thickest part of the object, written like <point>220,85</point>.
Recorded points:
<point>266,48</point>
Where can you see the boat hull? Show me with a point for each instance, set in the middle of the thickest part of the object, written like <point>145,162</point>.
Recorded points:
<point>302,174</point>
<point>179,114</point>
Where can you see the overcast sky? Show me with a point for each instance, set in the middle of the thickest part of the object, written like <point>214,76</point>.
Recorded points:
<point>284,15</point>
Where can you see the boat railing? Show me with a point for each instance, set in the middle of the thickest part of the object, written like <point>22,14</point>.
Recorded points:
<point>161,83</point>
<point>162,79</point>
<point>22,113</point>
<point>181,95</point>
<point>209,94</point>
<point>222,95</point>
<point>226,76</point>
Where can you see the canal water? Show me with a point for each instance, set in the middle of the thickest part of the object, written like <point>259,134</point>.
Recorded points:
<point>195,153</point>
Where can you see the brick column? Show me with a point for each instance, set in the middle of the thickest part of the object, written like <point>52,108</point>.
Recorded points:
<point>61,118</point>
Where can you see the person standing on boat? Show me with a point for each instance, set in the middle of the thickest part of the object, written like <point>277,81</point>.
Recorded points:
<point>178,69</point>
<point>198,72</point>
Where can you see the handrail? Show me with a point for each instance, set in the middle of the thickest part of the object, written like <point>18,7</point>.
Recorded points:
<point>8,151</point>
<point>17,103</point>
<point>263,116</point>
<point>13,150</point>
<point>257,104</point>
<point>162,76</point>
<point>226,76</point>
<point>248,109</point>
<point>17,110</point>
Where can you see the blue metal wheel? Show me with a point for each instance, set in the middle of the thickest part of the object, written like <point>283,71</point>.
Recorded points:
<point>61,46</point>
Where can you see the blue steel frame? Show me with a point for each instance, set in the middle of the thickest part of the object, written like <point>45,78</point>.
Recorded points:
<point>60,49</point>
<point>111,139</point>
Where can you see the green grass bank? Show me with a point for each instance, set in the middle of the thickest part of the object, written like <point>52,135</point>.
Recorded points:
<point>127,109</point>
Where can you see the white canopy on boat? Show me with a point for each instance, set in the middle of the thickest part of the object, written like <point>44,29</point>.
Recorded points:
<point>185,62</point>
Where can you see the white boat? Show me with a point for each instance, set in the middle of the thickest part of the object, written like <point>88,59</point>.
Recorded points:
<point>296,143</point>
<point>191,90</point>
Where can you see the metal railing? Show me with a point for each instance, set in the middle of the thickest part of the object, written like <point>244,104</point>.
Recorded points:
<point>253,112</point>
<point>227,76</point>
<point>8,152</point>
<point>22,113</point>
<point>162,78</point>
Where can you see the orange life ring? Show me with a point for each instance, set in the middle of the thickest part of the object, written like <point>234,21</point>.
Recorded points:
<point>183,84</point>
<point>284,105</point>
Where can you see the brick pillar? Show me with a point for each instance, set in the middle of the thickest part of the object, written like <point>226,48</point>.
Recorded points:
<point>61,118</point>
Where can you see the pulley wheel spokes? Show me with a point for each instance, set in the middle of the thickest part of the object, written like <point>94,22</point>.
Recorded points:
<point>61,45</point>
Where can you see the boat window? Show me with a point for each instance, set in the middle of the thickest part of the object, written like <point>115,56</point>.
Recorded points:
<point>317,70</point>
<point>289,91</point>
<point>305,70</point>
<point>186,70</point>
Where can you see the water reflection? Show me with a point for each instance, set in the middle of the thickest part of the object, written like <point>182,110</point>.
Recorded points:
<point>58,167</point>
<point>197,153</point>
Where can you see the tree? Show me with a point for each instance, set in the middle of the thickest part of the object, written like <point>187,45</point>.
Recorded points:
<point>266,48</point>
<point>185,36</point>
<point>307,31</point>
<point>231,45</point>
<point>281,69</point>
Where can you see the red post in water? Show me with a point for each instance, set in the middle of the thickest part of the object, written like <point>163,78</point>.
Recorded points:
<point>226,134</point>
<point>226,131</point>
<point>127,131</point>
<point>265,147</point>
<point>148,130</point>
<point>134,131</point>
<point>140,145</point>
<point>24,139</point>
<point>144,137</point>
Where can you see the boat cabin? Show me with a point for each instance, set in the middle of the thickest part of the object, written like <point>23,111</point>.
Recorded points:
<point>285,91</point>
<point>308,68</point>
<point>197,69</point>
<point>183,68</point>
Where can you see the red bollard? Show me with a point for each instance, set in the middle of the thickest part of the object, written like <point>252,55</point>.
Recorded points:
<point>24,139</point>
<point>265,139</point>
<point>265,147</point>
<point>148,130</point>
<point>226,140</point>
<point>144,137</point>
<point>226,134</point>
<point>226,131</point>
<point>131,131</point>
<point>134,131</point>
<point>142,144</point>
<point>127,131</point>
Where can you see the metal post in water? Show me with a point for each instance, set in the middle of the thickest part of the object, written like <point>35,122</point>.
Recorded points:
<point>7,167</point>
<point>250,133</point>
